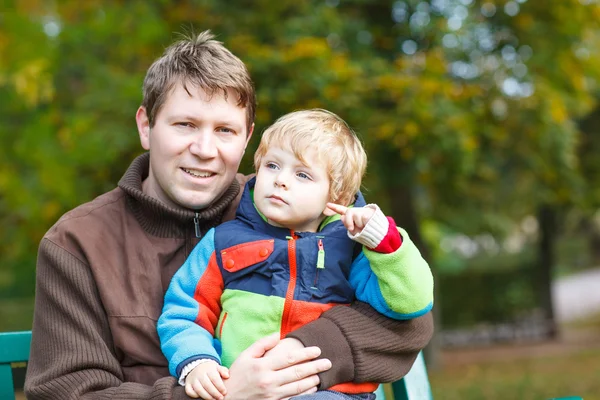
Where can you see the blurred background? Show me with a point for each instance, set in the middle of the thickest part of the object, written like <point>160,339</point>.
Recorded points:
<point>481,119</point>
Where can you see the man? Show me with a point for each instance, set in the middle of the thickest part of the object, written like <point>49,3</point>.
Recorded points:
<point>104,267</point>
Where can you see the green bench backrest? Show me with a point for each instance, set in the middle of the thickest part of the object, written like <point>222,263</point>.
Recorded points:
<point>414,386</point>
<point>14,348</point>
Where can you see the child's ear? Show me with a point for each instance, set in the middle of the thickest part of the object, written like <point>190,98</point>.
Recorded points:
<point>328,212</point>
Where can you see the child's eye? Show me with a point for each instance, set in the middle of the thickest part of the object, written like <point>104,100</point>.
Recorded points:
<point>302,175</point>
<point>271,165</point>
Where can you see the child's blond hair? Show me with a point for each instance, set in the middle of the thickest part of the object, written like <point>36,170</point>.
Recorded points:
<point>336,146</point>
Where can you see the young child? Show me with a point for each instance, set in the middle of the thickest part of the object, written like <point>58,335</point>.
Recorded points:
<point>303,241</point>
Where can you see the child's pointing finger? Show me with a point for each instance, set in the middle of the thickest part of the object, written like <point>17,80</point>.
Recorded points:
<point>339,209</point>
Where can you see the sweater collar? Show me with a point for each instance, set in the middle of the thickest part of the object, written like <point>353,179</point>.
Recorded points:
<point>159,219</point>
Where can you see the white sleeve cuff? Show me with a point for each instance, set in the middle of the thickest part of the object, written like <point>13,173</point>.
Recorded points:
<point>189,367</point>
<point>375,230</point>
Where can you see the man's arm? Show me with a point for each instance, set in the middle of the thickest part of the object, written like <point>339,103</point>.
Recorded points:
<point>72,355</point>
<point>345,336</point>
<point>363,344</point>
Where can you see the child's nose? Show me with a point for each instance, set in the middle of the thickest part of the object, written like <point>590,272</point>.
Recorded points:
<point>280,181</point>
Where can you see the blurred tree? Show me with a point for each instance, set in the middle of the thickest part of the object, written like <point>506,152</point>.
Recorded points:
<point>467,107</point>
<point>589,149</point>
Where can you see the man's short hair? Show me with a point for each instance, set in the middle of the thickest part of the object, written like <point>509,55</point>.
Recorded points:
<point>199,61</point>
<point>335,144</point>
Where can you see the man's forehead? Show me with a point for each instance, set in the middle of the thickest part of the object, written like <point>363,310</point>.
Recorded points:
<point>207,94</point>
<point>191,100</point>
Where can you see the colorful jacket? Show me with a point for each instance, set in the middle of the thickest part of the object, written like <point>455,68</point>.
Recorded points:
<point>247,279</point>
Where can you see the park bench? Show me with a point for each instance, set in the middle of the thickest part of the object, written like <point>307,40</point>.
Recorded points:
<point>14,348</point>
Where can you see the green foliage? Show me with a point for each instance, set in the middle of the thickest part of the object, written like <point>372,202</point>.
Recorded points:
<point>15,314</point>
<point>476,154</point>
<point>491,296</point>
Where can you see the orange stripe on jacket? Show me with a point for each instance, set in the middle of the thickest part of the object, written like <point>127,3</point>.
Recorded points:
<point>351,388</point>
<point>210,296</point>
<point>303,312</point>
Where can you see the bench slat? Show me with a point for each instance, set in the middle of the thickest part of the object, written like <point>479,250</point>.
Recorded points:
<point>14,346</point>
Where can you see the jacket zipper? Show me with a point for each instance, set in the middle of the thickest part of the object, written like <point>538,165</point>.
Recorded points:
<point>197,225</point>
<point>320,262</point>
<point>289,295</point>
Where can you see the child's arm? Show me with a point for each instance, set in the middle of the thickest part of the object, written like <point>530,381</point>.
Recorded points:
<point>191,310</point>
<point>389,274</point>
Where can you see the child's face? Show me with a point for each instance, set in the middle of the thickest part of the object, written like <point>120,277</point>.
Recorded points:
<point>289,193</point>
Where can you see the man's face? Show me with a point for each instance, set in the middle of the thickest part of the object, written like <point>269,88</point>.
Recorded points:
<point>196,146</point>
<point>289,193</point>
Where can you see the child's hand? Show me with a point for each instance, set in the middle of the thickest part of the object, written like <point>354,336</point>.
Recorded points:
<point>206,381</point>
<point>355,218</point>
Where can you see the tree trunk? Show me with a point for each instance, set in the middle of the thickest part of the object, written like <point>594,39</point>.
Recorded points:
<point>405,214</point>
<point>546,259</point>
<point>399,187</point>
<point>592,232</point>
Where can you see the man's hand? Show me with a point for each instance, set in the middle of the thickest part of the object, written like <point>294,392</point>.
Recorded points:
<point>205,381</point>
<point>355,218</point>
<point>272,369</point>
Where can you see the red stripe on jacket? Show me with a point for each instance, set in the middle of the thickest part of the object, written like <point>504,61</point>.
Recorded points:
<point>208,295</point>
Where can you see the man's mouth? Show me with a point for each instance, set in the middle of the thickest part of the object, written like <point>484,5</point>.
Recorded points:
<point>198,174</point>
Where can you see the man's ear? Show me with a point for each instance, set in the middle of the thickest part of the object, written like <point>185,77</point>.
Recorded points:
<point>143,125</point>
<point>250,132</point>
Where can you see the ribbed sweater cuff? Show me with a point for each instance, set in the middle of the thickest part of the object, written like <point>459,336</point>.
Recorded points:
<point>375,229</point>
<point>329,338</point>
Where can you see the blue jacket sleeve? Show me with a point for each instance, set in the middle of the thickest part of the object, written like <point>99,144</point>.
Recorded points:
<point>182,337</point>
<point>398,285</point>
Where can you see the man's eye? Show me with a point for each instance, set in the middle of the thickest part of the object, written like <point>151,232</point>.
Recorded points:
<point>184,124</point>
<point>226,130</point>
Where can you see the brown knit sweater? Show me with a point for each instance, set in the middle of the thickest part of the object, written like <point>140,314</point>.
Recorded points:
<point>102,272</point>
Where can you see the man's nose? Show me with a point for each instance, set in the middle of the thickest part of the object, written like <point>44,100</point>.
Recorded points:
<point>204,144</point>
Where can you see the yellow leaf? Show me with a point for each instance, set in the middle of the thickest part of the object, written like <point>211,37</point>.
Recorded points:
<point>308,47</point>
<point>332,92</point>
<point>470,143</point>
<point>524,21</point>
<point>50,210</point>
<point>558,111</point>
<point>34,83</point>
<point>411,129</point>
<point>385,131</point>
